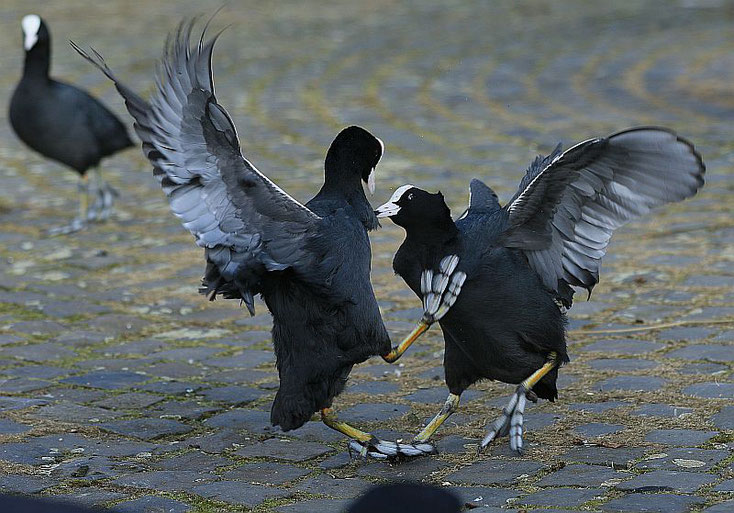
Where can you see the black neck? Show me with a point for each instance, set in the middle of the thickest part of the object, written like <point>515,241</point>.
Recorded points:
<point>38,61</point>
<point>433,232</point>
<point>343,182</point>
<point>355,197</point>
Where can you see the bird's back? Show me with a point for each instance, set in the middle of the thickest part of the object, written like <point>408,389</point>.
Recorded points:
<point>347,301</point>
<point>66,124</point>
<point>504,318</point>
<point>320,333</point>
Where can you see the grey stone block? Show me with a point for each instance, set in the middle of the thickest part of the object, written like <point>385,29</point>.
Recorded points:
<point>281,449</point>
<point>666,480</point>
<point>494,472</point>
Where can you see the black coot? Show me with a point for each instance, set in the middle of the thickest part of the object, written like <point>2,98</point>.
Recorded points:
<point>499,279</point>
<point>64,123</point>
<point>310,263</point>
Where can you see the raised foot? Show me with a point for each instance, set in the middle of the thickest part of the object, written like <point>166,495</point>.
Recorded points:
<point>510,422</point>
<point>382,450</point>
<point>75,226</point>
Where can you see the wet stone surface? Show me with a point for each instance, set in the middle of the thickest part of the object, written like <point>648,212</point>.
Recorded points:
<point>121,386</point>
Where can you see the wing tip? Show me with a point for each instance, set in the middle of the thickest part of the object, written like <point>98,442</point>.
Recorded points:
<point>179,54</point>
<point>690,147</point>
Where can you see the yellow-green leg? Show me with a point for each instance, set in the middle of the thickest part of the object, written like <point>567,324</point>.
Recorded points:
<point>80,221</point>
<point>104,196</point>
<point>329,418</point>
<point>403,346</point>
<point>366,444</point>
<point>448,409</point>
<point>83,197</point>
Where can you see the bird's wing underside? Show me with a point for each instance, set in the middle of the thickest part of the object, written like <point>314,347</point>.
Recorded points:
<point>247,224</point>
<point>569,203</point>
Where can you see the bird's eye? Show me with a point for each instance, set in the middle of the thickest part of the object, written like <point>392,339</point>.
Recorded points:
<point>410,196</point>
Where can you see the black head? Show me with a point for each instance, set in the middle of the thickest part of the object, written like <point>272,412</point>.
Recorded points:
<point>37,45</point>
<point>418,211</point>
<point>35,33</point>
<point>354,153</point>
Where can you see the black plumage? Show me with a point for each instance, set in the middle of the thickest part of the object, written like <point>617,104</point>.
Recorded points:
<point>310,263</point>
<point>61,121</point>
<point>499,279</point>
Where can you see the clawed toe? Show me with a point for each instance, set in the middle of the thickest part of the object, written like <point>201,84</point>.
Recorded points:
<point>75,226</point>
<point>382,450</point>
<point>101,208</point>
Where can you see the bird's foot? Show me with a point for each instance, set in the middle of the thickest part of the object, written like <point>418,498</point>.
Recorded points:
<point>510,422</point>
<point>101,208</point>
<point>93,212</point>
<point>109,194</point>
<point>75,226</point>
<point>382,450</point>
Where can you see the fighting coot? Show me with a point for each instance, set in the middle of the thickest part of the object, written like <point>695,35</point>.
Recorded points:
<point>310,263</point>
<point>499,279</point>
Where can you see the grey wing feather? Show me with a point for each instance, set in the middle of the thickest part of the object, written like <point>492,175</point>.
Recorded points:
<point>482,197</point>
<point>247,223</point>
<point>441,288</point>
<point>570,203</point>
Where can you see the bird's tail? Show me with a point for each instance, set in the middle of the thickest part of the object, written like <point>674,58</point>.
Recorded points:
<point>292,410</point>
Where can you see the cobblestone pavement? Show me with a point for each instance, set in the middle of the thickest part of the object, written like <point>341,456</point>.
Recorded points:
<point>119,385</point>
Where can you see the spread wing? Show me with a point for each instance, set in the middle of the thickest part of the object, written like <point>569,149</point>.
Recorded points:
<point>570,203</point>
<point>247,224</point>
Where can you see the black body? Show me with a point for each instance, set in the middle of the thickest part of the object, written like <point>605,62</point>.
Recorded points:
<point>59,120</point>
<point>504,323</point>
<point>319,334</point>
<point>522,260</point>
<point>311,263</point>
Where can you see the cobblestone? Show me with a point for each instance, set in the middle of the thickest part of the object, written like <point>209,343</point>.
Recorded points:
<point>561,497</point>
<point>679,437</point>
<point>121,386</point>
<point>266,473</point>
<point>653,503</point>
<point>666,480</point>
<point>284,450</point>
<point>580,475</point>
<point>152,504</point>
<point>494,472</point>
<point>235,492</point>
<point>700,460</point>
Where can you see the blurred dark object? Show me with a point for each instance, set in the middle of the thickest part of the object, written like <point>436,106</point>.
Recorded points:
<point>24,504</point>
<point>406,498</point>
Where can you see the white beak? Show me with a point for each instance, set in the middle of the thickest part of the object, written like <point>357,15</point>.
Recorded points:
<point>389,209</point>
<point>371,181</point>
